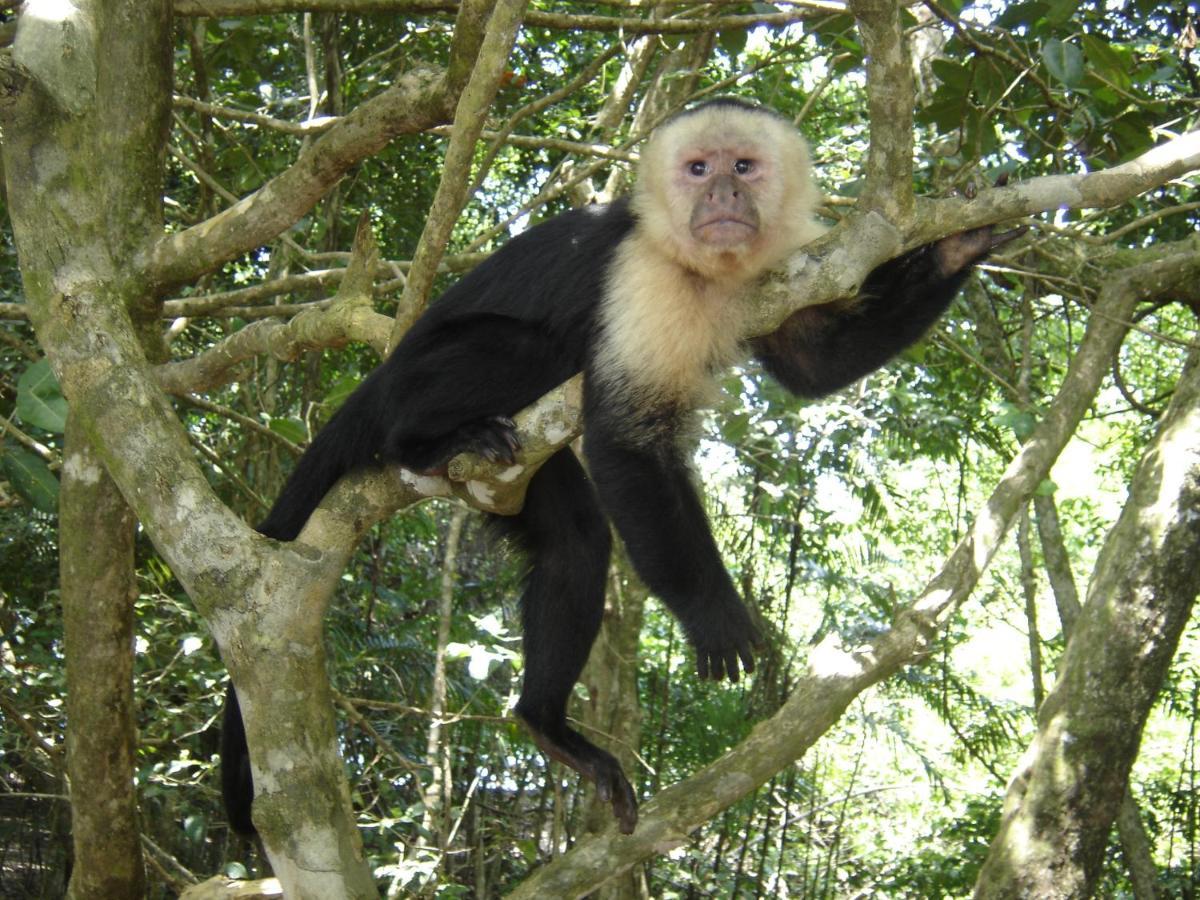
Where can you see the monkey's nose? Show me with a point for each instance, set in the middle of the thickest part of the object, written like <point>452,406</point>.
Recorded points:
<point>723,192</point>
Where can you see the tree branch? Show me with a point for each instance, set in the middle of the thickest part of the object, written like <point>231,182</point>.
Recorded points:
<point>469,117</point>
<point>801,10</point>
<point>415,103</point>
<point>890,99</point>
<point>1061,805</point>
<point>349,318</point>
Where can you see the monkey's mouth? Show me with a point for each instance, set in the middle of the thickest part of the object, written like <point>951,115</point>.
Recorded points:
<point>724,231</point>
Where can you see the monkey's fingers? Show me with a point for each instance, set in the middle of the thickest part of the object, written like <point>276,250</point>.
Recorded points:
<point>970,190</point>
<point>709,665</point>
<point>1006,237</point>
<point>497,440</point>
<point>624,803</point>
<point>747,656</point>
<point>956,252</point>
<point>731,664</point>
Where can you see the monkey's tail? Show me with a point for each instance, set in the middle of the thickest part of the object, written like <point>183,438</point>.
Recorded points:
<point>349,441</point>
<point>237,782</point>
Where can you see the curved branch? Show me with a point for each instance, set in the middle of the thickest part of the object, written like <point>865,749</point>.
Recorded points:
<point>415,103</point>
<point>349,318</point>
<point>469,117</point>
<point>1108,187</point>
<point>801,10</point>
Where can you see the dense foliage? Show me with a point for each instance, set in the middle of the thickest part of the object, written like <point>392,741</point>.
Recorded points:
<point>830,513</point>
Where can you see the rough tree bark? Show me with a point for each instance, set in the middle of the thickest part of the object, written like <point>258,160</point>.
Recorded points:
<point>436,794</point>
<point>86,107</point>
<point>1135,844</point>
<point>612,712</point>
<point>1072,781</point>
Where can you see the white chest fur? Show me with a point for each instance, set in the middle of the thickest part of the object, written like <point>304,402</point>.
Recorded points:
<point>664,330</point>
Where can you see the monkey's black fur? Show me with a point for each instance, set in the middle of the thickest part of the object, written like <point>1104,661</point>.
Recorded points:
<point>517,326</point>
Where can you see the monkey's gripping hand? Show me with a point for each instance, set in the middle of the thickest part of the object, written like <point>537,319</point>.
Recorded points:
<point>957,252</point>
<point>725,636</point>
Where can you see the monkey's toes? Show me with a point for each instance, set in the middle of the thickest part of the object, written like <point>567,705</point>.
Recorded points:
<point>624,803</point>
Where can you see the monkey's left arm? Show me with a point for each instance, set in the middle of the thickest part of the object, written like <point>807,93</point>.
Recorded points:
<point>646,488</point>
<point>820,349</point>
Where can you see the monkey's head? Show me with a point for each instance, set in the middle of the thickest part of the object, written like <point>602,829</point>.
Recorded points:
<point>725,189</point>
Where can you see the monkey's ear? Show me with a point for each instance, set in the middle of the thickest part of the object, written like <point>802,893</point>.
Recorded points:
<point>956,252</point>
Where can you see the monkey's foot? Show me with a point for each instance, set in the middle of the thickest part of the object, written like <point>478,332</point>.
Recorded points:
<point>726,636</point>
<point>493,438</point>
<point>574,750</point>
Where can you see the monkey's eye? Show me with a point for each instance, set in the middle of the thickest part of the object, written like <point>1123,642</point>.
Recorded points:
<point>743,167</point>
<point>698,168</point>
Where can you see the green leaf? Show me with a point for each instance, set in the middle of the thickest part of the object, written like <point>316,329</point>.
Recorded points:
<point>292,429</point>
<point>339,392</point>
<point>733,42</point>
<point>40,401</point>
<point>1064,61</point>
<point>990,83</point>
<point>1107,61</point>
<point>1012,417</point>
<point>1131,134</point>
<point>1061,11</point>
<point>1023,14</point>
<point>195,827</point>
<point>1046,488</point>
<point>947,109</point>
<point>31,478</point>
<point>954,76</point>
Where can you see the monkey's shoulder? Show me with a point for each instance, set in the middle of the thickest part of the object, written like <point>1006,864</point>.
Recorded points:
<point>553,270</point>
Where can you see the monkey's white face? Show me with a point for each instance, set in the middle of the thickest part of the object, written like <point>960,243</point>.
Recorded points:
<point>722,182</point>
<point>726,192</point>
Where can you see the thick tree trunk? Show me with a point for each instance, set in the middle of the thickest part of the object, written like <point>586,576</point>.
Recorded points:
<point>98,586</point>
<point>1135,844</point>
<point>1061,806</point>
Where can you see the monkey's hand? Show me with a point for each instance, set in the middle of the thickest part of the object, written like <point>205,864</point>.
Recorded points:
<point>494,438</point>
<point>726,636</point>
<point>956,252</point>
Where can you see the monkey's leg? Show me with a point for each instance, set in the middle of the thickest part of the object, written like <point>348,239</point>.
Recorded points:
<point>568,543</point>
<point>237,783</point>
<point>455,389</point>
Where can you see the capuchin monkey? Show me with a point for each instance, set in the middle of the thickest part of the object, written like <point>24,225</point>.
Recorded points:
<point>642,296</point>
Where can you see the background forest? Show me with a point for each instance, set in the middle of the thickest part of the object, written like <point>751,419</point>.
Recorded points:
<point>840,519</point>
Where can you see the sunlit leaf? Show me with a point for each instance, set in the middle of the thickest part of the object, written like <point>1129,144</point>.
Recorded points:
<point>1064,61</point>
<point>31,478</point>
